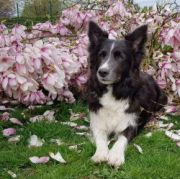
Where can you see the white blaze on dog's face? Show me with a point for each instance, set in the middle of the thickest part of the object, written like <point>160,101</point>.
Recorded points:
<point>113,61</point>
<point>115,58</point>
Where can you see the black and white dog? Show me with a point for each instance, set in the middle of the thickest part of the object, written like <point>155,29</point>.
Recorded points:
<point>118,91</point>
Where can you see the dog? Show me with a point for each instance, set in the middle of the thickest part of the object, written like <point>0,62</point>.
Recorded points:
<point>120,96</point>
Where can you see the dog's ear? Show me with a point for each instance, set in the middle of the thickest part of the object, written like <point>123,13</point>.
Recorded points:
<point>138,37</point>
<point>95,33</point>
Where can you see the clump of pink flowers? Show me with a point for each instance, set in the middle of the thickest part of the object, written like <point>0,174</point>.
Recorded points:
<point>41,64</point>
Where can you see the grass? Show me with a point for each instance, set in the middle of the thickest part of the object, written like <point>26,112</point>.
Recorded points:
<point>160,158</point>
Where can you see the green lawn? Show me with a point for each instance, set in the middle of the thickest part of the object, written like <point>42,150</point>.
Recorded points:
<point>160,158</point>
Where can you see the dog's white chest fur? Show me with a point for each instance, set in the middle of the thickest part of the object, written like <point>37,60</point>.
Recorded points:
<point>112,117</point>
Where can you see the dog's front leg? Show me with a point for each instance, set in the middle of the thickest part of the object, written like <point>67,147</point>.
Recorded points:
<point>116,154</point>
<point>101,141</point>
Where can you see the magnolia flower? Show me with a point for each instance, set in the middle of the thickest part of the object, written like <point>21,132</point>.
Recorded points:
<point>176,87</point>
<point>53,81</point>
<point>18,31</point>
<point>62,30</point>
<point>10,81</point>
<point>118,8</point>
<point>81,79</point>
<point>6,62</point>
<point>34,60</point>
<point>33,98</point>
<point>161,83</point>
<point>79,17</point>
<point>2,41</point>
<point>65,21</point>
<point>2,27</point>
<point>81,50</point>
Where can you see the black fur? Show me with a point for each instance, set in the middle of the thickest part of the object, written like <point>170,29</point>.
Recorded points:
<point>139,87</point>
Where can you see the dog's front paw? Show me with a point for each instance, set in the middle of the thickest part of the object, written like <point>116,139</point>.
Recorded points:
<point>100,156</point>
<point>115,158</point>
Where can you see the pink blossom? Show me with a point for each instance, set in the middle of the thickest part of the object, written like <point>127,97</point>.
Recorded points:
<point>68,96</point>
<point>118,8</point>
<point>153,119</point>
<point>176,87</point>
<point>81,79</point>
<point>8,132</point>
<point>2,41</point>
<point>65,21</point>
<point>33,98</point>
<point>81,50</point>
<point>176,55</point>
<point>4,108</point>
<point>79,19</point>
<point>2,27</point>
<point>35,60</point>
<point>18,31</point>
<point>62,30</point>
<point>171,109</point>
<point>5,116</point>
<point>6,62</point>
<point>161,83</point>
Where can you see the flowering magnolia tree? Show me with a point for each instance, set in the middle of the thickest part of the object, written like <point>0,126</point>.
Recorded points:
<point>41,64</point>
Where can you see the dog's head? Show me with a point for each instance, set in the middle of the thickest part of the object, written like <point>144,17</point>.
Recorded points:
<point>113,60</point>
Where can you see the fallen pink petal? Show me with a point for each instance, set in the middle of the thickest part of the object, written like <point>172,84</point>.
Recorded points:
<point>172,135</point>
<point>71,124</point>
<point>12,174</point>
<point>58,157</point>
<point>9,131</point>
<point>57,141</point>
<point>16,121</point>
<point>171,109</point>
<point>81,127</point>
<point>34,141</point>
<point>149,134</point>
<point>37,160</point>
<point>3,108</point>
<point>139,148</point>
<point>73,147</point>
<point>5,116</point>
<point>14,139</point>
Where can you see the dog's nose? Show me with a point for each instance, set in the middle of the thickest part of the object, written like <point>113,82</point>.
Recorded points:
<point>103,72</point>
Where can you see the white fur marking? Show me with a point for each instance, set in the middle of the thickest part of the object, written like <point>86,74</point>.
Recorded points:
<point>105,64</point>
<point>101,153</point>
<point>111,118</point>
<point>116,154</point>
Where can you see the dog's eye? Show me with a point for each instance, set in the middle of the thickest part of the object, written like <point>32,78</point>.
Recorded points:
<point>117,54</point>
<point>102,54</point>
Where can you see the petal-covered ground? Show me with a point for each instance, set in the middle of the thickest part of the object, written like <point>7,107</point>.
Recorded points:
<point>54,142</point>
